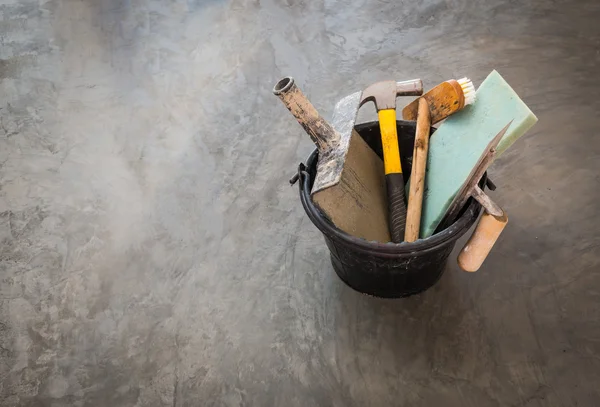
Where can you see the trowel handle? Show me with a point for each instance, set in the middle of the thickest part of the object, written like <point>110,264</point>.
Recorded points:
<point>472,256</point>
<point>319,130</point>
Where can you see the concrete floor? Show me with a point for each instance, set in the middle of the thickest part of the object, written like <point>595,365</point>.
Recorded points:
<point>153,253</point>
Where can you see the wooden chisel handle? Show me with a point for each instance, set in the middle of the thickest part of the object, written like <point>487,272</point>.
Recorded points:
<point>481,241</point>
<point>417,176</point>
<point>319,129</point>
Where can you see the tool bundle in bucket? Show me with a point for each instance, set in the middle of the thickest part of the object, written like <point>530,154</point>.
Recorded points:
<point>370,196</point>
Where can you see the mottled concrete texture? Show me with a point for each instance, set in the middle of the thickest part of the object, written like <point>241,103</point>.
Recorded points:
<point>153,254</point>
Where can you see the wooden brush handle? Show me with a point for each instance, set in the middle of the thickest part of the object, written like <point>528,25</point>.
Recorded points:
<point>481,241</point>
<point>319,130</point>
<point>443,100</point>
<point>417,176</point>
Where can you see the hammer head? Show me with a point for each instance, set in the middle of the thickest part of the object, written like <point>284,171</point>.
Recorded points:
<point>331,161</point>
<point>384,93</point>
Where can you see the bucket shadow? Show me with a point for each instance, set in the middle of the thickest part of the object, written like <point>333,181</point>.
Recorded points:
<point>433,336</point>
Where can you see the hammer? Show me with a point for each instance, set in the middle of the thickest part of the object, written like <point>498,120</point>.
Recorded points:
<point>384,94</point>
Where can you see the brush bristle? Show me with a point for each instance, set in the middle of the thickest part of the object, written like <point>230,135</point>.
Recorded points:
<point>468,90</point>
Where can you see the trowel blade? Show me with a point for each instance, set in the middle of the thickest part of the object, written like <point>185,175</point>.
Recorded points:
<point>331,163</point>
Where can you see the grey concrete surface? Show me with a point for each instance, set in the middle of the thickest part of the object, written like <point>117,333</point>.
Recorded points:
<point>152,253</point>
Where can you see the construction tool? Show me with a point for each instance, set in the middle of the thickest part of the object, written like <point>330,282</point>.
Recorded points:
<point>384,94</point>
<point>492,222</point>
<point>417,177</point>
<point>349,185</point>
<point>485,160</point>
<point>460,140</point>
<point>445,99</point>
<point>435,105</point>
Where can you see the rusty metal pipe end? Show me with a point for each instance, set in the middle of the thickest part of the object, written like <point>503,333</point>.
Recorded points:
<point>284,85</point>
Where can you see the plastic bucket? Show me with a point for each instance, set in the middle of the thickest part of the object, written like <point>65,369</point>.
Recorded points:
<point>385,269</point>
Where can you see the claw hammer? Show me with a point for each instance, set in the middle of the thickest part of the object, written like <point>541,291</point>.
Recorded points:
<point>384,94</point>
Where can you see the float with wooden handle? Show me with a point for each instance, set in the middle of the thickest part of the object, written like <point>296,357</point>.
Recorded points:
<point>493,220</point>
<point>465,192</point>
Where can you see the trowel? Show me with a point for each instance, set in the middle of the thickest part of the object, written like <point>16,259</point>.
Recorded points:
<point>349,187</point>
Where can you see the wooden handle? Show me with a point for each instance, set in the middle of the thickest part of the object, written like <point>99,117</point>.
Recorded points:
<point>417,176</point>
<point>481,241</point>
<point>444,100</point>
<point>319,130</point>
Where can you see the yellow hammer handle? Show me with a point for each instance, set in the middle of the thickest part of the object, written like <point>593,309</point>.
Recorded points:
<point>394,179</point>
<point>389,141</point>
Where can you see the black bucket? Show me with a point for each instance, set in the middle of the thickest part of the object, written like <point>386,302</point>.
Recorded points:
<point>386,269</point>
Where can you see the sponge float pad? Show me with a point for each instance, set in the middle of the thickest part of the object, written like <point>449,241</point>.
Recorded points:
<point>456,146</point>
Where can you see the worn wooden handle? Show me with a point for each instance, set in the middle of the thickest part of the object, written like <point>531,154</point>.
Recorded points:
<point>417,176</point>
<point>444,100</point>
<point>481,241</point>
<point>319,130</point>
